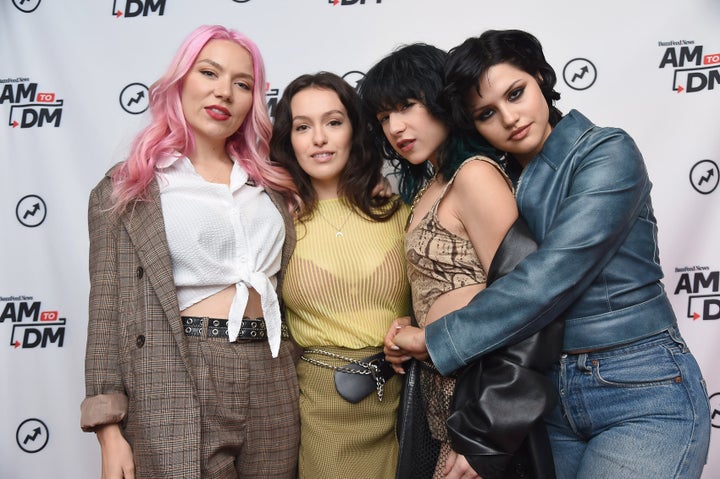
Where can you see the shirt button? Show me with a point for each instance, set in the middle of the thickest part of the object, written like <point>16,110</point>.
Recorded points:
<point>139,272</point>
<point>140,341</point>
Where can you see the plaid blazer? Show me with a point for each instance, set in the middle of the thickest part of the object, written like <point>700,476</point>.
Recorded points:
<point>137,370</point>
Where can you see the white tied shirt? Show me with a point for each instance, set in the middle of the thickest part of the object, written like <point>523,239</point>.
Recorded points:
<point>219,236</point>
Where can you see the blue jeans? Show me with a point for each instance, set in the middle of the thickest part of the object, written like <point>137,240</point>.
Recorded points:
<point>636,411</point>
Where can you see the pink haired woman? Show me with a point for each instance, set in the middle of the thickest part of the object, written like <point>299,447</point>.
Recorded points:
<point>188,369</point>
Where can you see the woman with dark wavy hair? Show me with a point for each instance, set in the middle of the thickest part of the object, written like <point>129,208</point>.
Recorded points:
<point>462,208</point>
<point>345,282</point>
<point>633,402</point>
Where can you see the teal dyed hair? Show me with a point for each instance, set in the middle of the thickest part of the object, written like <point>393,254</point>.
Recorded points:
<point>416,72</point>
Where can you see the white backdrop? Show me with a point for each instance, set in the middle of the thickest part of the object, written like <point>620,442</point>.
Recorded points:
<point>72,81</point>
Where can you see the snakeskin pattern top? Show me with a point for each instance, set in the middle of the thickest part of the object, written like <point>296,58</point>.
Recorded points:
<point>439,261</point>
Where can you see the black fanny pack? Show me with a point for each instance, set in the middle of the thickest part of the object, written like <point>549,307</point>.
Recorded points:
<point>372,373</point>
<point>358,378</point>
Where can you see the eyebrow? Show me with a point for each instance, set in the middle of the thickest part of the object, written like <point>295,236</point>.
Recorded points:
<point>220,67</point>
<point>507,90</point>
<point>324,115</point>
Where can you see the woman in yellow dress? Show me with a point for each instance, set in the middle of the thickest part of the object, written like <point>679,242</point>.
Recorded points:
<point>345,282</point>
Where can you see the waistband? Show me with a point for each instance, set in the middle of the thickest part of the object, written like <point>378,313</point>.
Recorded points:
<point>619,327</point>
<point>669,335</point>
<point>251,329</point>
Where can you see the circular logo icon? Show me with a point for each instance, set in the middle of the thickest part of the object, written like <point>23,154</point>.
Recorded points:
<point>32,435</point>
<point>579,74</point>
<point>31,211</point>
<point>353,78</point>
<point>704,176</point>
<point>134,98</point>
<point>715,410</point>
<point>26,6</point>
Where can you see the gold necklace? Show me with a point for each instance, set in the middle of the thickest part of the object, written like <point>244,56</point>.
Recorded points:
<point>338,231</point>
<point>417,197</point>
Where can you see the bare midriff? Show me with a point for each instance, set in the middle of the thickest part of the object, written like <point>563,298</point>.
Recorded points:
<point>218,305</point>
<point>451,301</point>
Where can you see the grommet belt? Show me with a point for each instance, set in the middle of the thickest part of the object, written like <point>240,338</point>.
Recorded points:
<point>251,329</point>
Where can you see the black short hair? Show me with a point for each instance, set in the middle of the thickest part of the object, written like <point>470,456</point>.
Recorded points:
<point>468,61</point>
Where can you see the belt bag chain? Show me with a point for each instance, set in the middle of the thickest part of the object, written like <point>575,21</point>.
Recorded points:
<point>374,366</point>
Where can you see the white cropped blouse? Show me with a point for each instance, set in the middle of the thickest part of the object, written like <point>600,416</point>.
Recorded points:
<point>221,235</point>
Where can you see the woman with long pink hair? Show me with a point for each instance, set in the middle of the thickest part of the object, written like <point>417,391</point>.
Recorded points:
<point>188,369</point>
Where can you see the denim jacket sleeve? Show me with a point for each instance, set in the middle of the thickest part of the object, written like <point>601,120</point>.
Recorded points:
<point>581,197</point>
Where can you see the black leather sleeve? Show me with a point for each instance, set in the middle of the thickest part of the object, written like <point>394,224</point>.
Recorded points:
<point>499,401</point>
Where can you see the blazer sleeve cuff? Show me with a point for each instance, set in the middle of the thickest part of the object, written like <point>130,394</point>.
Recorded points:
<point>96,411</point>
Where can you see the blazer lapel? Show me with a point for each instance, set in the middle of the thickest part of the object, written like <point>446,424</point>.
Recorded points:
<point>290,238</point>
<point>146,228</point>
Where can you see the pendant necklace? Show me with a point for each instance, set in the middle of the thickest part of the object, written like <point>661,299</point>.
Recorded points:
<point>338,231</point>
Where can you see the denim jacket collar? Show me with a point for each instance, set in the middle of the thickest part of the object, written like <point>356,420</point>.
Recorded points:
<point>557,147</point>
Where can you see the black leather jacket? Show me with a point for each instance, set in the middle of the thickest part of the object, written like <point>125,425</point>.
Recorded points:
<point>500,399</point>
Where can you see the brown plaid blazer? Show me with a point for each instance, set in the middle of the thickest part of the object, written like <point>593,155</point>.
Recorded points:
<point>137,370</point>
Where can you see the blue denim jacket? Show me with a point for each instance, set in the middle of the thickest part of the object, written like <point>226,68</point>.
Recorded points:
<point>586,198</point>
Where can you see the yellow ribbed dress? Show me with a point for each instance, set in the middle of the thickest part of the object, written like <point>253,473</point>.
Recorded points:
<point>345,283</point>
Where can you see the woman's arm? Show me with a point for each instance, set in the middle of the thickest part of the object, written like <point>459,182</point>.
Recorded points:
<point>117,457</point>
<point>608,188</point>
<point>105,404</point>
<point>483,203</point>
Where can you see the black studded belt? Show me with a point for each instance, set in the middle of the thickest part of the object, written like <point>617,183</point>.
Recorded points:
<point>251,329</point>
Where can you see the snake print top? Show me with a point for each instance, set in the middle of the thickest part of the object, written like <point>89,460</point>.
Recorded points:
<point>439,261</point>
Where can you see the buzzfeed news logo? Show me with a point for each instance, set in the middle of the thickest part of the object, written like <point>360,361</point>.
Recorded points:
<point>29,107</point>
<point>693,69</point>
<point>343,3</point>
<point>138,8</point>
<point>702,286</point>
<point>31,326</point>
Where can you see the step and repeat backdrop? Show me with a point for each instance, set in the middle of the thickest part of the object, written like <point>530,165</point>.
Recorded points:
<point>73,91</point>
